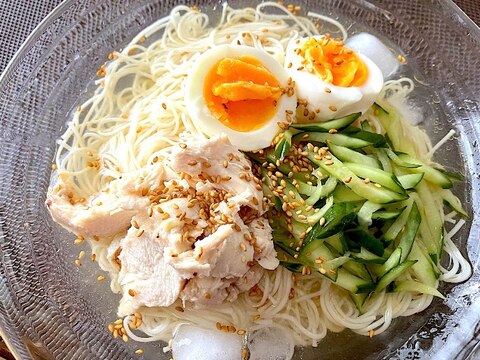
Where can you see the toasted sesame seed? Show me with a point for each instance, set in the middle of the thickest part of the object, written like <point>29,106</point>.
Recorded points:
<point>323,221</point>
<point>179,309</point>
<point>377,185</point>
<point>124,337</point>
<point>332,131</point>
<point>183,146</point>
<point>164,106</point>
<point>243,246</point>
<point>218,325</point>
<point>139,351</point>
<point>348,179</point>
<point>332,108</point>
<point>78,262</point>
<point>402,59</point>
<point>371,333</point>
<point>329,163</point>
<point>93,257</point>
<point>322,270</point>
<point>366,181</point>
<point>100,277</point>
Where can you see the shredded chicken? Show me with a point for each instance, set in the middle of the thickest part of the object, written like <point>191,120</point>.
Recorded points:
<point>190,229</point>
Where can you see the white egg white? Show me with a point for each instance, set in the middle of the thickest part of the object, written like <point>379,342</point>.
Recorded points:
<point>209,124</point>
<point>327,100</point>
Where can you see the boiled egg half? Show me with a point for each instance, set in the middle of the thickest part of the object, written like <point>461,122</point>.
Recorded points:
<point>242,92</point>
<point>331,80</point>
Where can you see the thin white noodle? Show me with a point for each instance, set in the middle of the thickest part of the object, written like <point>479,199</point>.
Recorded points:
<point>125,126</point>
<point>442,141</point>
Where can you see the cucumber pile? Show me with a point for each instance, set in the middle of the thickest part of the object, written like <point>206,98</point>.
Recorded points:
<point>348,206</point>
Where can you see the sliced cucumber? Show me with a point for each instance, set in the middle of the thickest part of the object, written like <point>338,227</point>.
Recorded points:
<point>344,194</point>
<point>425,270</point>
<point>392,261</point>
<point>366,240</point>
<point>431,174</point>
<point>414,286</point>
<point>336,218</point>
<point>353,283</point>
<point>376,140</point>
<point>338,139</point>
<point>410,181</point>
<point>358,270</point>
<point>378,176</point>
<point>398,161</point>
<point>367,257</point>
<point>383,159</point>
<point>322,191</point>
<point>453,201</point>
<point>397,226</point>
<point>359,301</point>
<point>365,213</point>
<point>337,242</point>
<point>385,215</point>
<point>285,143</point>
<point>368,191</point>
<point>345,154</point>
<point>393,274</point>
<point>409,232</point>
<point>336,124</point>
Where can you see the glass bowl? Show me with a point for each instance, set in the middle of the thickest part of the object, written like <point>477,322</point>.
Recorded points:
<point>52,309</point>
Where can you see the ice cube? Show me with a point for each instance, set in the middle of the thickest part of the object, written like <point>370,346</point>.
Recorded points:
<point>196,343</point>
<point>270,344</point>
<point>372,47</point>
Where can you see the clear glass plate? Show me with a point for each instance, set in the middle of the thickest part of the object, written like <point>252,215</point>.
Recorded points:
<point>51,309</point>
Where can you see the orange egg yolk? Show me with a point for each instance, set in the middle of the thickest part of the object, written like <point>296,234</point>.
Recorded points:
<point>333,62</point>
<point>241,93</point>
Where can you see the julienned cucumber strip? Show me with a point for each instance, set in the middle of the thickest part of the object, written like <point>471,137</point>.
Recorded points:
<point>366,212</point>
<point>344,194</point>
<point>425,270</point>
<point>410,181</point>
<point>368,191</point>
<point>375,139</point>
<point>431,174</point>
<point>285,143</point>
<point>345,154</point>
<point>399,162</point>
<point>392,261</point>
<point>398,224</point>
<point>336,124</point>
<point>336,218</point>
<point>366,240</point>
<point>353,283</point>
<point>367,257</point>
<point>378,176</point>
<point>415,286</point>
<point>384,160</point>
<point>359,301</point>
<point>393,274</point>
<point>434,243</point>
<point>322,191</point>
<point>338,139</point>
<point>385,215</point>
<point>409,232</point>
<point>453,201</point>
